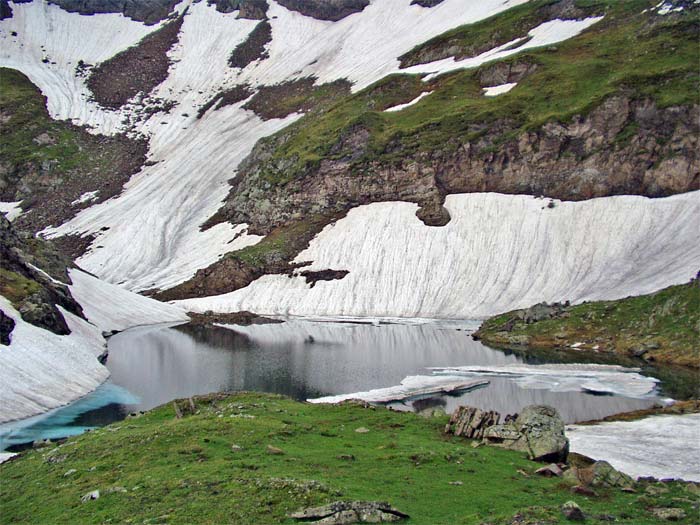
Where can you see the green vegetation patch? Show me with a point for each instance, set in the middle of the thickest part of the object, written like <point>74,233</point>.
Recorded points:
<point>253,458</point>
<point>662,327</point>
<point>16,288</point>
<point>630,52</point>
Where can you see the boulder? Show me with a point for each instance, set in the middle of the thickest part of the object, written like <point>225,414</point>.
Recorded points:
<point>572,511</point>
<point>537,431</point>
<point>598,474</point>
<point>470,422</point>
<point>347,512</point>
<point>550,471</point>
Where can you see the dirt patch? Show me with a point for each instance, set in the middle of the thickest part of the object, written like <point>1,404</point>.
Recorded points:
<point>312,277</point>
<point>253,47</point>
<point>332,10</point>
<point>250,9</point>
<point>147,11</point>
<point>301,95</point>
<point>136,70</point>
<point>225,98</point>
<point>239,318</point>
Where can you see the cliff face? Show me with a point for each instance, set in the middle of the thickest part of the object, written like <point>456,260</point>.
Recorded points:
<point>621,147</point>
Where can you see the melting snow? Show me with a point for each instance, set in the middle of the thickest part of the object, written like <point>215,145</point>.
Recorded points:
<point>11,210</point>
<point>660,446</point>
<point>599,379</point>
<point>545,34</point>
<point>399,107</point>
<point>494,91</point>
<point>488,259</point>
<point>412,386</point>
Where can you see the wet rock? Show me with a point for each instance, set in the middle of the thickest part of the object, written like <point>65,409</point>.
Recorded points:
<point>572,511</point>
<point>668,513</point>
<point>470,422</point>
<point>347,512</point>
<point>95,494</point>
<point>537,431</point>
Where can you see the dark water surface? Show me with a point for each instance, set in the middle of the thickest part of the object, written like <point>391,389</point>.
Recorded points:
<point>303,359</point>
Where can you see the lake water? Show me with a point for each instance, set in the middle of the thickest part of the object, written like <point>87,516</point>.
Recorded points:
<point>303,359</point>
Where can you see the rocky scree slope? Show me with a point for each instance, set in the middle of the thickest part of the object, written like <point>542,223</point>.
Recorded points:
<point>612,111</point>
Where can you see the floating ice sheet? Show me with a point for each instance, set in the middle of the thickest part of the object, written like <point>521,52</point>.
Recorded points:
<point>597,379</point>
<point>410,387</point>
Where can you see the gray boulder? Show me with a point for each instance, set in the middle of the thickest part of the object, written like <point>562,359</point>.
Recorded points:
<point>347,512</point>
<point>538,431</point>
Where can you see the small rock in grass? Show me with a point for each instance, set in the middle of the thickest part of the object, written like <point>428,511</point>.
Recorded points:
<point>629,490</point>
<point>457,483</point>
<point>668,513</point>
<point>236,448</point>
<point>69,472</point>
<point>550,471</point>
<point>583,490</point>
<point>95,494</point>
<point>572,511</point>
<point>362,430</point>
<point>346,457</point>
<point>274,450</point>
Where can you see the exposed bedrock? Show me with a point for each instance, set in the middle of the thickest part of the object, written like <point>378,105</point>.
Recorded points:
<point>621,147</point>
<point>147,11</point>
<point>250,9</point>
<point>137,69</point>
<point>332,10</point>
<point>33,293</point>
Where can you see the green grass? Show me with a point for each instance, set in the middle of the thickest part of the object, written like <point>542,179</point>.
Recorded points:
<point>626,53</point>
<point>16,288</point>
<point>28,119</point>
<point>666,322</point>
<point>159,469</point>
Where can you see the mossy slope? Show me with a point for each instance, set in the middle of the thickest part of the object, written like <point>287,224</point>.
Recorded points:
<point>160,469</point>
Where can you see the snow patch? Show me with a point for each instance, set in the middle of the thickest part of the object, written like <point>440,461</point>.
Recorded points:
<point>545,34</point>
<point>40,370</point>
<point>494,91</point>
<point>498,253</point>
<point>11,210</point>
<point>399,107</point>
<point>664,446</point>
<point>88,196</point>
<point>110,307</point>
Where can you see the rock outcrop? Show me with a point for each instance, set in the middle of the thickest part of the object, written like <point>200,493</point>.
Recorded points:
<point>347,512</point>
<point>537,431</point>
<point>470,422</point>
<point>34,293</point>
<point>332,10</point>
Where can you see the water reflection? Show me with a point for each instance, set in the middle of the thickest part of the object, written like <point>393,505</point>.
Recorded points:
<point>306,359</point>
<point>152,365</point>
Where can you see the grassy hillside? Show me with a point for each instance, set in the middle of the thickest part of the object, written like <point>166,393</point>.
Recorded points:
<point>631,52</point>
<point>48,164</point>
<point>160,469</point>
<point>662,327</point>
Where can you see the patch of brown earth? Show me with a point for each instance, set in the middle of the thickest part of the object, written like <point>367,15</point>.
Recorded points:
<point>312,277</point>
<point>137,69</point>
<point>238,318</point>
<point>332,10</point>
<point>225,98</point>
<point>253,47</point>
<point>295,96</point>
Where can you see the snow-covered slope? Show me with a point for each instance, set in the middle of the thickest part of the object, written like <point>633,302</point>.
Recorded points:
<point>154,237</point>
<point>659,446</point>
<point>498,252</point>
<point>40,370</point>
